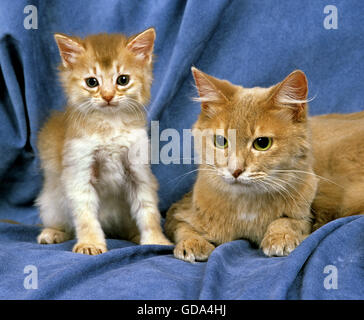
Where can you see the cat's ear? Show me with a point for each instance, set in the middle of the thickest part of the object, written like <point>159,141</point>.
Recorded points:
<point>69,48</point>
<point>213,92</point>
<point>291,93</point>
<point>142,44</point>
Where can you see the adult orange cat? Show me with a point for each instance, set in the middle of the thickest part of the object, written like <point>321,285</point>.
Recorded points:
<point>260,184</point>
<point>93,182</point>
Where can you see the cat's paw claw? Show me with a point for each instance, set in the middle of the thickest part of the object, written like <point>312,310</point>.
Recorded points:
<point>89,248</point>
<point>193,249</point>
<point>51,236</point>
<point>280,244</point>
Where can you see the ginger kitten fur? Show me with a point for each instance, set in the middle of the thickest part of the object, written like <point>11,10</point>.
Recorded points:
<point>261,183</point>
<point>94,182</point>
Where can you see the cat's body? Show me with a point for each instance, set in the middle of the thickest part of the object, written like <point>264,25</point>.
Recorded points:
<point>339,156</point>
<point>102,143</point>
<point>264,195</point>
<point>232,216</point>
<point>95,181</point>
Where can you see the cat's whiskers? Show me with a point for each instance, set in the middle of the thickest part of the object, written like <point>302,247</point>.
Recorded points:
<point>257,175</point>
<point>283,186</point>
<point>123,102</point>
<point>181,177</point>
<point>139,104</point>
<point>87,109</point>
<point>133,106</point>
<point>267,187</point>
<point>80,115</point>
<point>189,172</point>
<point>289,185</point>
<point>300,194</point>
<point>276,187</point>
<point>261,183</point>
<point>294,176</point>
<point>133,110</point>
<point>310,173</point>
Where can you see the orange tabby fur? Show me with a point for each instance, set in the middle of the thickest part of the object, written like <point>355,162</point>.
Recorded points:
<point>275,218</point>
<point>339,152</point>
<point>92,185</point>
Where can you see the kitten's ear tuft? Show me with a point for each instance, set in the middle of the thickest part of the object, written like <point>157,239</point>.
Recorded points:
<point>208,88</point>
<point>142,44</point>
<point>69,49</point>
<point>292,93</point>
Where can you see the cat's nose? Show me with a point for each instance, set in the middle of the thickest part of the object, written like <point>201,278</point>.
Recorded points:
<point>108,98</point>
<point>237,173</point>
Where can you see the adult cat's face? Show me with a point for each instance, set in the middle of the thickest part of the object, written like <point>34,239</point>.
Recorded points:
<point>250,134</point>
<point>107,72</point>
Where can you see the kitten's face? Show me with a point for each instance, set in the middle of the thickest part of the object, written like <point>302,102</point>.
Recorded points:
<point>253,133</point>
<point>107,73</point>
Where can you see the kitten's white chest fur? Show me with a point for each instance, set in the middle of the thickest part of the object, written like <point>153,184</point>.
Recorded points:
<point>110,162</point>
<point>247,216</point>
<point>113,156</point>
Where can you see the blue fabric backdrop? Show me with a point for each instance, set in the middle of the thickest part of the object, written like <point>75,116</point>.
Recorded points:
<point>251,43</point>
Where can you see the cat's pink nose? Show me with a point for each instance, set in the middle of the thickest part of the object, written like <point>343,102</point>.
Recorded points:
<point>108,98</point>
<point>237,173</point>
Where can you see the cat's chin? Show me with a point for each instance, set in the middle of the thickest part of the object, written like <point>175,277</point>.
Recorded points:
<point>115,107</point>
<point>109,105</point>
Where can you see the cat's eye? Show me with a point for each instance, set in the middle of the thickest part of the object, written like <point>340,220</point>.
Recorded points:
<point>262,143</point>
<point>92,82</point>
<point>220,142</point>
<point>123,80</point>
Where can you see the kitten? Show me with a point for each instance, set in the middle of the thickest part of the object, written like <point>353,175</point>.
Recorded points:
<point>256,187</point>
<point>92,183</point>
<point>339,155</point>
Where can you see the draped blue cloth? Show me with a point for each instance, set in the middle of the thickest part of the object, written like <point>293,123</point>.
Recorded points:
<point>250,43</point>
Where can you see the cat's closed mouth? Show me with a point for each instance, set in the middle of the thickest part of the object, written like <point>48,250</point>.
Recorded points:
<point>241,181</point>
<point>106,105</point>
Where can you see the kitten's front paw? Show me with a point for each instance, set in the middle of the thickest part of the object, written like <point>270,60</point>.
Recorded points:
<point>89,248</point>
<point>49,236</point>
<point>193,249</point>
<point>280,244</point>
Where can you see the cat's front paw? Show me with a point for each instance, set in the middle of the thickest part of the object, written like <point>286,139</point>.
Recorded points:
<point>193,249</point>
<point>50,236</point>
<point>89,248</point>
<point>280,244</point>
